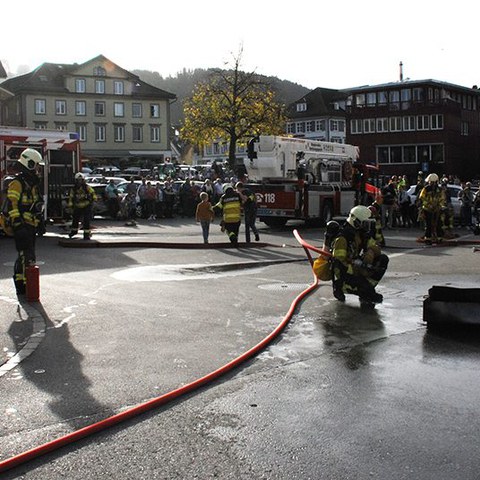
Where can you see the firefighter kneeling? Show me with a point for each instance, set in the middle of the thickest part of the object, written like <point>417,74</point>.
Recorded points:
<point>357,262</point>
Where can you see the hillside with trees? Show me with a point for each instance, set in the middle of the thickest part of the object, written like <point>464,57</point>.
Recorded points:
<point>182,85</point>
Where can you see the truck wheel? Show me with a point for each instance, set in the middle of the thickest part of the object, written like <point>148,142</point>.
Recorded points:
<point>274,222</point>
<point>327,213</point>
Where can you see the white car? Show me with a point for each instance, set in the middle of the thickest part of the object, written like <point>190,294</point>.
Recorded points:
<point>453,192</point>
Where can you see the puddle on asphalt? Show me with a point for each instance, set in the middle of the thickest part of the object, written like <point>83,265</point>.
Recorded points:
<point>174,273</point>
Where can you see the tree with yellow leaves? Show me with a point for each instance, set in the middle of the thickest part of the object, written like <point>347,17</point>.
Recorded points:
<point>232,105</point>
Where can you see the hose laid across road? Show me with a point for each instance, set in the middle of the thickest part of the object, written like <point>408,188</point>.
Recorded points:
<point>167,397</point>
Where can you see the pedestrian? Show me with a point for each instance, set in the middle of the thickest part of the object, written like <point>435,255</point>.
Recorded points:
<point>80,201</point>
<point>404,205</point>
<point>357,262</point>
<point>465,195</point>
<point>231,206</point>
<point>249,202</point>
<point>389,193</point>
<point>142,192</point>
<point>151,195</point>
<point>160,201</point>
<point>169,198</point>
<point>129,209</point>
<point>204,215</point>
<point>24,202</point>
<point>111,195</point>
<point>432,203</point>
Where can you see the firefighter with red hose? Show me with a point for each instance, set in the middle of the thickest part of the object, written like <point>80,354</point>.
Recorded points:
<point>24,206</point>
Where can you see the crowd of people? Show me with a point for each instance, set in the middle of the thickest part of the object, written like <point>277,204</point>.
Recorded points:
<point>395,207</point>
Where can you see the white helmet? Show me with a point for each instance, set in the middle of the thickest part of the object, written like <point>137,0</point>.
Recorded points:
<point>30,158</point>
<point>358,216</point>
<point>433,177</point>
<point>79,176</point>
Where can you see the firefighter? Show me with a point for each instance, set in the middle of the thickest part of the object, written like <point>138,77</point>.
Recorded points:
<point>376,209</point>
<point>433,202</point>
<point>24,206</point>
<point>80,201</point>
<point>358,264</point>
<point>230,203</point>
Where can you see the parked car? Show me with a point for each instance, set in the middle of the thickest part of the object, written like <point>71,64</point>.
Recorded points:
<point>104,180</point>
<point>453,191</point>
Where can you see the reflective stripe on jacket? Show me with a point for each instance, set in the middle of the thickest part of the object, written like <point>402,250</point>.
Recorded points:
<point>21,202</point>
<point>231,204</point>
<point>81,196</point>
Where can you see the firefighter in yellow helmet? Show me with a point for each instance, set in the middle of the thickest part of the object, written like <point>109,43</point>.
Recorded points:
<point>80,201</point>
<point>24,208</point>
<point>433,201</point>
<point>231,205</point>
<point>357,261</point>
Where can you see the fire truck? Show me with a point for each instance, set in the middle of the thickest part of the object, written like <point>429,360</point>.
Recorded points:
<point>310,180</point>
<point>61,152</point>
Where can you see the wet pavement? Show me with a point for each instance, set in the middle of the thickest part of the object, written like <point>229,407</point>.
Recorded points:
<point>341,393</point>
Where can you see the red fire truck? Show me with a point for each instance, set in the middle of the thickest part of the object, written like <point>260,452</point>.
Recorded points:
<point>307,180</point>
<point>61,152</point>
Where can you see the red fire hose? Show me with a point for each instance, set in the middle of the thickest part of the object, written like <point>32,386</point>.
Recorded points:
<point>167,397</point>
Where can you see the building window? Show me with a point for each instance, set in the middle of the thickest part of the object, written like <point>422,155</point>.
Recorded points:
<point>418,95</point>
<point>136,110</point>
<point>81,129</point>
<point>464,129</point>
<point>437,154</point>
<point>80,85</point>
<point>40,106</point>
<point>301,107</point>
<point>308,126</point>
<point>356,126</point>
<point>119,133</point>
<point>99,109</point>
<point>118,109</point>
<point>100,133</point>
<point>341,126</point>
<point>382,98</point>
<point>334,125</point>
<point>382,155</point>
<point>395,124</point>
<point>423,122</point>
<point>394,99</point>
<point>382,125</point>
<point>300,127</point>
<point>369,125</point>
<point>62,126</point>
<point>100,86</point>
<point>320,125</point>
<point>371,99</point>
<point>137,133</point>
<point>118,87</point>
<point>80,108</point>
<point>290,128</point>
<point>396,154</point>
<point>60,107</point>
<point>409,123</point>
<point>154,133</point>
<point>40,125</point>
<point>155,110</point>
<point>436,122</point>
<point>99,72</point>
<point>360,100</point>
<point>409,154</point>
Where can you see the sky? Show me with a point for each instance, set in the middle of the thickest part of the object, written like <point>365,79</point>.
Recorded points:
<point>336,44</point>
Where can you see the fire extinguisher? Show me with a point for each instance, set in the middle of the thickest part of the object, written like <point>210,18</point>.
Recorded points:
<point>32,274</point>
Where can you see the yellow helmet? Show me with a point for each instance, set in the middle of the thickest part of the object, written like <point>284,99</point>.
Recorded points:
<point>433,177</point>
<point>358,216</point>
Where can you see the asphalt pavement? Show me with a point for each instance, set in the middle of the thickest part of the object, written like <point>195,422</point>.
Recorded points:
<point>341,393</point>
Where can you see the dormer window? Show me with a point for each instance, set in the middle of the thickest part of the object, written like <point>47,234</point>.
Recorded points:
<point>301,107</point>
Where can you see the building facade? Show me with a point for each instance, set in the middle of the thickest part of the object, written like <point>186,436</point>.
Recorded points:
<point>408,126</point>
<point>319,115</point>
<point>118,117</point>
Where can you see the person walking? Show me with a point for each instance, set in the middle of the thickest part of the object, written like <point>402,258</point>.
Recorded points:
<point>24,203</point>
<point>80,201</point>
<point>249,202</point>
<point>204,215</point>
<point>230,204</point>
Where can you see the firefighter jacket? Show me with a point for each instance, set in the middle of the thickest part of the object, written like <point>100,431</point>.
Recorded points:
<point>23,200</point>
<point>231,205</point>
<point>81,196</point>
<point>351,245</point>
<point>432,198</point>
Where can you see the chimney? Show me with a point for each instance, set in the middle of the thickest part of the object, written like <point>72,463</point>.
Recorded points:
<point>401,71</point>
